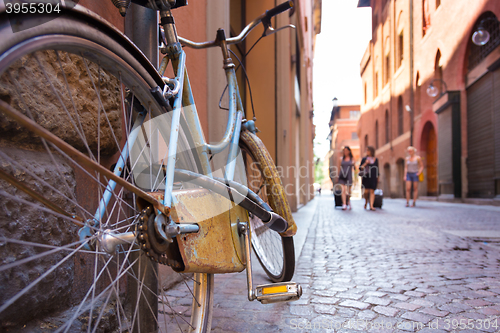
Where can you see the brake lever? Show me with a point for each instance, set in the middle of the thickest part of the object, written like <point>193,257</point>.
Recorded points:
<point>273,31</point>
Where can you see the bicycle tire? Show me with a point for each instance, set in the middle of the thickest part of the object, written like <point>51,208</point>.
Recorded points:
<point>275,253</point>
<point>85,289</point>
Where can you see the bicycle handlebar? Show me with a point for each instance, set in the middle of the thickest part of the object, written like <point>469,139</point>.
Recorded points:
<point>264,18</point>
<point>278,9</point>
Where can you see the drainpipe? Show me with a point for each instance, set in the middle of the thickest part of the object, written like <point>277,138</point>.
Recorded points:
<point>394,55</point>
<point>412,97</point>
<point>141,26</point>
<point>276,136</point>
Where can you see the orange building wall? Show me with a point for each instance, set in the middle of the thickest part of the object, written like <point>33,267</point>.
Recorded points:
<point>450,30</point>
<point>342,128</point>
<point>271,71</point>
<point>191,24</point>
<point>260,65</point>
<point>107,10</point>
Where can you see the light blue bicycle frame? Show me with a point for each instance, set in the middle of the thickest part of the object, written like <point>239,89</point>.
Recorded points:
<point>184,98</point>
<point>231,136</point>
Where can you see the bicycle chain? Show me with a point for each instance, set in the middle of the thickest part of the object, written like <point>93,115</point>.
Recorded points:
<point>155,248</point>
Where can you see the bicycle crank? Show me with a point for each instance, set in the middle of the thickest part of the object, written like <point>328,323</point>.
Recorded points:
<point>266,293</point>
<point>154,233</point>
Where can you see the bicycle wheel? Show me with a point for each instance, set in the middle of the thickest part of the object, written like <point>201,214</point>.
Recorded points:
<point>276,254</point>
<point>88,90</point>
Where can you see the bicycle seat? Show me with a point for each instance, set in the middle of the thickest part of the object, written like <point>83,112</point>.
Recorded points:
<point>178,3</point>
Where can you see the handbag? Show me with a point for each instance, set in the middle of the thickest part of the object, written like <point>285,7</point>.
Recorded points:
<point>421,177</point>
<point>362,173</point>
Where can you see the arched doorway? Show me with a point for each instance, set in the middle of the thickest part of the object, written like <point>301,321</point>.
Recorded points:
<point>428,145</point>
<point>387,180</point>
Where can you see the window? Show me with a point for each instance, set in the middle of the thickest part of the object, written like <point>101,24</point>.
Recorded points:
<point>374,27</point>
<point>438,69</point>
<point>376,134</point>
<point>375,86</point>
<point>438,3</point>
<point>438,72</point>
<point>400,54</point>
<point>426,17</point>
<point>387,126</point>
<point>417,93</point>
<point>366,141</point>
<point>387,68</point>
<point>400,115</point>
<point>354,136</point>
<point>354,114</point>
<point>375,23</point>
<point>478,53</point>
<point>366,94</point>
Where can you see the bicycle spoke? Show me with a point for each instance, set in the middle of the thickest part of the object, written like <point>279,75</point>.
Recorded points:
<point>62,104</point>
<point>51,85</point>
<point>72,200</point>
<point>30,115</point>
<point>81,168</point>
<point>55,249</point>
<point>35,282</point>
<point>42,208</point>
<point>81,131</point>
<point>101,106</point>
<point>82,303</point>
<point>87,98</point>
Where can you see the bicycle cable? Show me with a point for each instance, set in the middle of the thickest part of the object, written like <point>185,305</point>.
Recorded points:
<point>246,77</point>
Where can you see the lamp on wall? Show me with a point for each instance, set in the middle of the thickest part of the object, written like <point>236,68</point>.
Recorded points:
<point>433,91</point>
<point>335,102</point>
<point>481,36</point>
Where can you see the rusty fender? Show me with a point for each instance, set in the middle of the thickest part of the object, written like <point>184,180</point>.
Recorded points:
<point>276,192</point>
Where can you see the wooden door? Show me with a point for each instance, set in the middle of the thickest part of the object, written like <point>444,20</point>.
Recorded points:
<point>480,138</point>
<point>431,158</point>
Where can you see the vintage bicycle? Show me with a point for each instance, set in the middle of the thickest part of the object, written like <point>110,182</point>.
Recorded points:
<point>107,184</point>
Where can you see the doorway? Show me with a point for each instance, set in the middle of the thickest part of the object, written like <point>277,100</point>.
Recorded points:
<point>387,180</point>
<point>401,184</point>
<point>429,157</point>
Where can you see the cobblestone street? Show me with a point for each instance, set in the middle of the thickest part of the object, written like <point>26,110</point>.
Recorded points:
<point>423,269</point>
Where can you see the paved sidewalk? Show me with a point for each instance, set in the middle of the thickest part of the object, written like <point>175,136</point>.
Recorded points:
<point>394,270</point>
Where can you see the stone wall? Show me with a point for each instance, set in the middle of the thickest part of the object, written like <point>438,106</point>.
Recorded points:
<point>36,86</point>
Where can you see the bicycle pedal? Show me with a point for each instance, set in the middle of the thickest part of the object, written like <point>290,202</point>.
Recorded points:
<point>278,292</point>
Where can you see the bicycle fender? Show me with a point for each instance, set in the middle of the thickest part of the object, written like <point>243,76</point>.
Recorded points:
<point>281,207</point>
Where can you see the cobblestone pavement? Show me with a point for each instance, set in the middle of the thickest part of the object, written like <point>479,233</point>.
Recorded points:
<point>394,270</point>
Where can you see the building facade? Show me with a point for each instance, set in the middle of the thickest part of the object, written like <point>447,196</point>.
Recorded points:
<point>343,133</point>
<point>279,70</point>
<point>421,43</point>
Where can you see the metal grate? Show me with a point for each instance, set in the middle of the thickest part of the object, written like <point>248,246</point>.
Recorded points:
<point>478,53</point>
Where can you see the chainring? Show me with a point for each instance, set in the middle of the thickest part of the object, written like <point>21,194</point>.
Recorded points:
<point>155,247</point>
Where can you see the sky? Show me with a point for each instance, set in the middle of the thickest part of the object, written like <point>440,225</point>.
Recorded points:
<point>345,33</point>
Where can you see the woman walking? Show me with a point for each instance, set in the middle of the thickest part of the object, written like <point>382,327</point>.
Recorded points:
<point>413,169</point>
<point>345,177</point>
<point>369,171</point>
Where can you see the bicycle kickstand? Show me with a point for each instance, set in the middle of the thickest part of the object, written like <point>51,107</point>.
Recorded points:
<point>266,293</point>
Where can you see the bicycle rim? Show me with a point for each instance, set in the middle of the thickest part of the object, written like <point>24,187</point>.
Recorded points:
<point>274,252</point>
<point>89,97</point>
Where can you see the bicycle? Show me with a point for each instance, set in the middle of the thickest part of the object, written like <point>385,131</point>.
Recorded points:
<point>106,181</point>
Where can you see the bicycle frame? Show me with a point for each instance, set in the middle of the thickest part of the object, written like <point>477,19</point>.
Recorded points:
<point>185,98</point>
<point>178,93</point>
